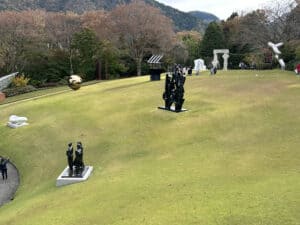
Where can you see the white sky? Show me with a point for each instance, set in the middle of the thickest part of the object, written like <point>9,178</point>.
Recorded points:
<point>221,8</point>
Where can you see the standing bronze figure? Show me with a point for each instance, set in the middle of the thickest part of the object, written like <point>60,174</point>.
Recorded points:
<point>69,154</point>
<point>78,161</point>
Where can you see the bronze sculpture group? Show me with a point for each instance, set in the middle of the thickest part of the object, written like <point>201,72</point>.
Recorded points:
<point>76,166</point>
<point>173,94</point>
<point>174,90</point>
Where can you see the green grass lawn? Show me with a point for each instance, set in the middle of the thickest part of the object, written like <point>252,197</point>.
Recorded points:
<point>232,159</point>
<point>42,92</point>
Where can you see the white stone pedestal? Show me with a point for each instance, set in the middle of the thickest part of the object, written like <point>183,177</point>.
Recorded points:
<point>172,109</point>
<point>64,179</point>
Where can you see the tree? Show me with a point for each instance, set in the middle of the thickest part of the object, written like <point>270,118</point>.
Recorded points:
<point>111,60</point>
<point>47,67</point>
<point>278,22</point>
<point>293,24</point>
<point>60,29</point>
<point>212,39</point>
<point>19,32</point>
<point>238,50</point>
<point>191,39</point>
<point>98,21</point>
<point>282,20</point>
<point>88,50</point>
<point>141,29</point>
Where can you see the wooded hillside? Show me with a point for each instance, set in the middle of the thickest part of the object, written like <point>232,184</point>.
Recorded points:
<point>182,20</point>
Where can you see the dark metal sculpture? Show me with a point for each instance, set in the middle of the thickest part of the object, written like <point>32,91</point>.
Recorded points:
<point>174,90</point>
<point>78,161</point>
<point>69,154</point>
<point>167,95</point>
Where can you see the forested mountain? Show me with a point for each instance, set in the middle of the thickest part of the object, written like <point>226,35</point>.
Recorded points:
<point>206,17</point>
<point>182,20</point>
<point>78,6</point>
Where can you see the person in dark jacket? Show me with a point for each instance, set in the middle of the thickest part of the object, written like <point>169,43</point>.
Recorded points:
<point>190,71</point>
<point>3,167</point>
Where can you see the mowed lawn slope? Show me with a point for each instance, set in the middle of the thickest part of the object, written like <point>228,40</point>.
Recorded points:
<point>233,159</point>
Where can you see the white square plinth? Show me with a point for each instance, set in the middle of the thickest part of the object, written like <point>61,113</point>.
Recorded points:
<point>64,179</point>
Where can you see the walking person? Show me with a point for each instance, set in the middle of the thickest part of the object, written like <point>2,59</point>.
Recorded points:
<point>213,69</point>
<point>297,69</point>
<point>190,71</point>
<point>3,167</point>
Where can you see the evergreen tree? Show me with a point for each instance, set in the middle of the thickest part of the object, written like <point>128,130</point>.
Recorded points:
<point>87,49</point>
<point>213,39</point>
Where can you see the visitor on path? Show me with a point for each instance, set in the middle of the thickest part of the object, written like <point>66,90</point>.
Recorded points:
<point>253,66</point>
<point>190,71</point>
<point>3,167</point>
<point>297,70</point>
<point>213,69</point>
<point>242,65</point>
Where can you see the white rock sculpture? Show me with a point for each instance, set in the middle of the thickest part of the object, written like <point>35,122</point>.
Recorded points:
<point>199,65</point>
<point>275,48</point>
<point>225,53</point>
<point>17,121</point>
<point>6,80</point>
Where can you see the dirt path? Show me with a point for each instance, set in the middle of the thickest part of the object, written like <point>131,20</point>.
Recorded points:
<point>9,187</point>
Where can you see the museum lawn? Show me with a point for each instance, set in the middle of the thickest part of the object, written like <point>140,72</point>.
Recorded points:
<point>232,159</point>
<point>42,92</point>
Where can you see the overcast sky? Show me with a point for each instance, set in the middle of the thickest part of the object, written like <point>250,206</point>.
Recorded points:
<point>221,8</point>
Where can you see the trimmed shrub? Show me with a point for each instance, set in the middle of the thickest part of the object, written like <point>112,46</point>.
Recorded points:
<point>20,81</point>
<point>9,92</point>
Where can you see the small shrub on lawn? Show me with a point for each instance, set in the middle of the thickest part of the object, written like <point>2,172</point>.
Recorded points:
<point>9,92</point>
<point>20,81</point>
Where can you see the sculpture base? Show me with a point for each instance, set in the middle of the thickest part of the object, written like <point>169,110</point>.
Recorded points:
<point>172,109</point>
<point>65,179</point>
<point>16,125</point>
<point>155,74</point>
<point>154,77</point>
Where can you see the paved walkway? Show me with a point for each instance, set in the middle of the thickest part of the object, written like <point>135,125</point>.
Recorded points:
<point>9,187</point>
